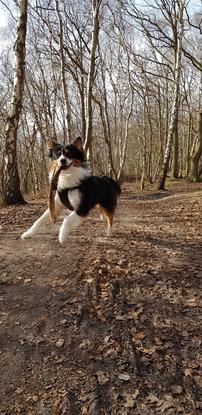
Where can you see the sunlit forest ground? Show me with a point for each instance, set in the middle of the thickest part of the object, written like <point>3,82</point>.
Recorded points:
<point>104,325</point>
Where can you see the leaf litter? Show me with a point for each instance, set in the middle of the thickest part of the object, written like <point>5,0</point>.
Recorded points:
<point>103,325</point>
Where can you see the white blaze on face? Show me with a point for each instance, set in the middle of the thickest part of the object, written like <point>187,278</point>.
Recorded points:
<point>61,160</point>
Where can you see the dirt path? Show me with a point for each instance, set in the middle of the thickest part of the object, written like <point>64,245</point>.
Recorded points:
<point>103,325</point>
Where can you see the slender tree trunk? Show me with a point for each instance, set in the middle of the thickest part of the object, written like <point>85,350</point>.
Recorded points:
<point>107,137</point>
<point>197,152</point>
<point>160,134</point>
<point>125,142</point>
<point>176,148</point>
<point>188,147</point>
<point>144,156</point>
<point>173,116</point>
<point>130,109</point>
<point>82,97</point>
<point>63,78</point>
<point>91,72</point>
<point>12,191</point>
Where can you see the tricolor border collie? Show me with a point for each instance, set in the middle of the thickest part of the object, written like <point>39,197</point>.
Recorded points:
<point>77,190</point>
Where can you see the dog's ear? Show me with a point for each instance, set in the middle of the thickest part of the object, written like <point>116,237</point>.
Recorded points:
<point>78,143</point>
<point>50,143</point>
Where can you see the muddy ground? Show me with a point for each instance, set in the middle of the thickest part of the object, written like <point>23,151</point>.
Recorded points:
<point>104,325</point>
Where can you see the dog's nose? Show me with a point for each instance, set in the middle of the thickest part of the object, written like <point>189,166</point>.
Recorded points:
<point>63,162</point>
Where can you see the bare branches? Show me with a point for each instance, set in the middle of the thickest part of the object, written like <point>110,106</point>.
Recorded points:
<point>120,92</point>
<point>199,26</point>
<point>8,9</point>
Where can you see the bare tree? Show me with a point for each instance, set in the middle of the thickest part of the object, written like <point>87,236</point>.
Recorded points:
<point>196,152</point>
<point>120,95</point>
<point>12,191</point>
<point>91,71</point>
<point>177,72</point>
<point>63,77</point>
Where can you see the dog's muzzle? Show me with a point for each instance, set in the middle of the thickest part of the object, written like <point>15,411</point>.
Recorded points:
<point>64,163</point>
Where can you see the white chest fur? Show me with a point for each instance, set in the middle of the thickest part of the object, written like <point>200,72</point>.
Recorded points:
<point>72,179</point>
<point>74,198</point>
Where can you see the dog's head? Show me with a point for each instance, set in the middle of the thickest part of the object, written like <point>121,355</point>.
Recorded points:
<point>67,156</point>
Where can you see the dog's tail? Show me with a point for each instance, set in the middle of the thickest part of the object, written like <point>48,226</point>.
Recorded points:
<point>115,185</point>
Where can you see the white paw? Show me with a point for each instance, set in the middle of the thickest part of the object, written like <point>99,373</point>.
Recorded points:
<point>62,237</point>
<point>109,231</point>
<point>27,234</point>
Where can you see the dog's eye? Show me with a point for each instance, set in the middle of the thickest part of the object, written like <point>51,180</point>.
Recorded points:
<point>67,154</point>
<point>58,154</point>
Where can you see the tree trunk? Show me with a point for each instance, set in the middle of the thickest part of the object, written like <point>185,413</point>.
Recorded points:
<point>176,148</point>
<point>129,113</point>
<point>188,147</point>
<point>107,136</point>
<point>12,191</point>
<point>197,152</point>
<point>95,32</point>
<point>173,116</point>
<point>144,155</point>
<point>63,78</point>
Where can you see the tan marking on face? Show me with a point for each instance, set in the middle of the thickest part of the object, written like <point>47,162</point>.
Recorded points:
<point>50,143</point>
<point>76,163</point>
<point>53,165</point>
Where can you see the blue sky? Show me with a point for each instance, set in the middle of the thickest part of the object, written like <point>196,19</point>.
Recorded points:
<point>4,17</point>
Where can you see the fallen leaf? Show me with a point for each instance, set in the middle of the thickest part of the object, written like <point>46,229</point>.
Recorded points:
<point>122,318</point>
<point>138,336</point>
<point>166,403</point>
<point>176,389</point>
<point>130,399</point>
<point>60,359</point>
<point>102,377</point>
<point>27,280</point>
<point>152,398</point>
<point>106,339</point>
<point>124,376</point>
<point>158,341</point>
<point>84,344</point>
<point>63,321</point>
<point>135,314</point>
<point>118,269</point>
<point>192,302</point>
<point>188,372</point>
<point>149,351</point>
<point>198,380</point>
<point>19,390</point>
<point>60,342</point>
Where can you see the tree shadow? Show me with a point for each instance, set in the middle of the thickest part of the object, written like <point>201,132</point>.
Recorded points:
<point>148,195</point>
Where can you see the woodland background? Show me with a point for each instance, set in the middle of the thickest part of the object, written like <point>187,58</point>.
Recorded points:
<point>124,75</point>
<point>102,325</point>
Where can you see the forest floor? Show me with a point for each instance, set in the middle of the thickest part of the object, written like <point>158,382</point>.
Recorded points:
<point>104,325</point>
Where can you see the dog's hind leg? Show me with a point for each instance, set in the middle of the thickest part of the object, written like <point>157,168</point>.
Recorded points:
<point>102,213</point>
<point>43,220</point>
<point>109,217</point>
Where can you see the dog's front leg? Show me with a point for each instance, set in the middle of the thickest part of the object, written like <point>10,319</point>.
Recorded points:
<point>70,222</point>
<point>43,220</point>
